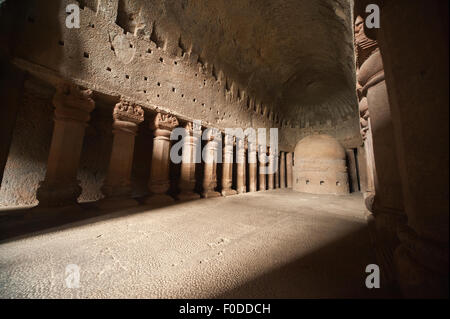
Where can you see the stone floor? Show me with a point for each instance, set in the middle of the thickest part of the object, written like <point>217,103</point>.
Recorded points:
<point>274,244</point>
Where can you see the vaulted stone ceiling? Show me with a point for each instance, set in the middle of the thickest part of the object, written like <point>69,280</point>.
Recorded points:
<point>295,54</point>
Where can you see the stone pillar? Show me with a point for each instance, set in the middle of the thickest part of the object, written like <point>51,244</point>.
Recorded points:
<point>159,182</point>
<point>210,153</point>
<point>187,178</point>
<point>351,165</point>
<point>283,170</point>
<point>385,198</point>
<point>289,174</point>
<point>271,175</point>
<point>227,172</point>
<point>73,106</point>
<point>262,168</point>
<point>12,82</point>
<point>117,186</point>
<point>240,159</point>
<point>417,83</point>
<point>277,170</point>
<point>252,166</point>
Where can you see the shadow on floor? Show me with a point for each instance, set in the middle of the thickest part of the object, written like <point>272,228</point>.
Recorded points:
<point>17,223</point>
<point>336,270</point>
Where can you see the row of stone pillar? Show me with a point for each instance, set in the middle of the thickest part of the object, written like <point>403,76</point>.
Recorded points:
<point>73,106</point>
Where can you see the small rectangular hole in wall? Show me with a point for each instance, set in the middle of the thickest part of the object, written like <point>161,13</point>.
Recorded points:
<point>173,89</point>
<point>86,55</point>
<point>61,43</point>
<point>307,181</point>
<point>338,184</point>
<point>145,78</point>
<point>322,182</point>
<point>127,76</point>
<point>108,69</point>
<point>149,51</point>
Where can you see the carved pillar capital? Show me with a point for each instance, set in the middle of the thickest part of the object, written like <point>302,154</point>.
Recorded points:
<point>127,116</point>
<point>164,122</point>
<point>364,46</point>
<point>128,112</point>
<point>229,140</point>
<point>72,103</point>
<point>193,128</point>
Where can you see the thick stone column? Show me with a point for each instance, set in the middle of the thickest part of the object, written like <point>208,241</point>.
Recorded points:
<point>187,178</point>
<point>241,163</point>
<point>60,187</point>
<point>385,200</point>
<point>283,170</point>
<point>210,166</point>
<point>12,82</point>
<point>117,187</point>
<point>227,172</point>
<point>351,165</point>
<point>277,170</point>
<point>417,85</point>
<point>271,175</point>
<point>289,174</point>
<point>159,182</point>
<point>252,166</point>
<point>262,168</point>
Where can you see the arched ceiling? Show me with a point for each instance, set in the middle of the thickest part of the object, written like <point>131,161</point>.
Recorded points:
<point>295,54</point>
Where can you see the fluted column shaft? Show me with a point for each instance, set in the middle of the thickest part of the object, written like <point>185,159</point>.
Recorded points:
<point>73,106</point>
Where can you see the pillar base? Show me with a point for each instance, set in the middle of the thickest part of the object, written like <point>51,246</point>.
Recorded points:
<point>228,192</point>
<point>421,266</point>
<point>383,235</point>
<point>186,196</point>
<point>210,194</point>
<point>117,203</point>
<point>159,200</point>
<point>58,195</point>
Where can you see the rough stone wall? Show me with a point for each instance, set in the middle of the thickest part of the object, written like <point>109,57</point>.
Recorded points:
<point>227,63</point>
<point>204,61</point>
<point>101,56</point>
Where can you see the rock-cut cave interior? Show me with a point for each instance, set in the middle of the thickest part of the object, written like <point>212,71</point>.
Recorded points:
<point>224,149</point>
